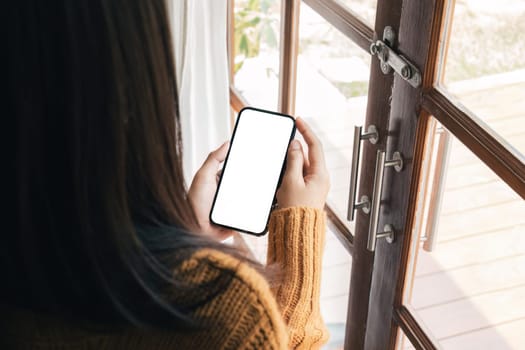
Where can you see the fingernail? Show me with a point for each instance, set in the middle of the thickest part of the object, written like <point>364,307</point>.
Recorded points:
<point>294,145</point>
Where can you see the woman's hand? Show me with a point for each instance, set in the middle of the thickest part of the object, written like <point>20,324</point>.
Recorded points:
<point>202,191</point>
<point>306,181</point>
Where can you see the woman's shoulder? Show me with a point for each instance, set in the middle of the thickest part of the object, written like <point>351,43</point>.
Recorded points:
<point>212,262</point>
<point>244,305</point>
<point>233,275</point>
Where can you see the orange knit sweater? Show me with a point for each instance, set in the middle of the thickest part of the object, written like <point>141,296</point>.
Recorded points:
<point>249,314</point>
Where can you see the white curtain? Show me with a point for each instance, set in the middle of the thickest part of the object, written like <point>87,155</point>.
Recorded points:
<point>199,29</point>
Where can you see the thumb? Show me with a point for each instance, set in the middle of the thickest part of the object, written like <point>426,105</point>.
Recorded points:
<point>214,160</point>
<point>295,161</point>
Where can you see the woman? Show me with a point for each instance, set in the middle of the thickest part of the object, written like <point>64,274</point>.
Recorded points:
<point>105,248</point>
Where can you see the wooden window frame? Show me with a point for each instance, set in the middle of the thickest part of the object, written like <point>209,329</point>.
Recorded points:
<point>484,142</point>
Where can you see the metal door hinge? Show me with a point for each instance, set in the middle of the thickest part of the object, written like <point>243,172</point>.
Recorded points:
<point>391,60</point>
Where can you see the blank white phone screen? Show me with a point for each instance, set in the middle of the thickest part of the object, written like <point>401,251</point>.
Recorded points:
<point>251,173</point>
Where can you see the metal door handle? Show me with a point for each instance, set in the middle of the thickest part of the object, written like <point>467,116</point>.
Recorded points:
<point>364,203</point>
<point>388,230</point>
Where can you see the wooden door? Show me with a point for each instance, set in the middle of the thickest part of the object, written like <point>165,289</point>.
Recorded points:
<point>429,127</point>
<point>380,310</point>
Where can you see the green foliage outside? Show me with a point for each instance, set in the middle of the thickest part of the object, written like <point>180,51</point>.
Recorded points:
<point>255,25</point>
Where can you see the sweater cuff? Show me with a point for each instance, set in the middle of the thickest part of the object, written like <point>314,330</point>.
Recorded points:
<point>296,233</point>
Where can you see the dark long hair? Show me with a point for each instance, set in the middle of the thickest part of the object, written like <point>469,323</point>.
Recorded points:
<point>101,211</point>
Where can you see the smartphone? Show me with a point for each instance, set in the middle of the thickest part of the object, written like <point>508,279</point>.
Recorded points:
<point>252,170</point>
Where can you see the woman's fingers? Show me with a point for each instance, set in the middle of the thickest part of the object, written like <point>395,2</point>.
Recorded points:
<point>315,148</point>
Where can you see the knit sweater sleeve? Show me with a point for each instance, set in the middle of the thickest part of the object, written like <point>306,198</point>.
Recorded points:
<point>296,244</point>
<point>245,313</point>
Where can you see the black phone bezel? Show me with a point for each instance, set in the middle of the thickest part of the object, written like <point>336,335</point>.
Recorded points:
<point>283,167</point>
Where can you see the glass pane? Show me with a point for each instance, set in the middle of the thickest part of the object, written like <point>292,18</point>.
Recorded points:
<point>332,89</point>
<point>366,9</point>
<point>335,286</point>
<point>485,67</point>
<point>468,287</point>
<point>256,47</point>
